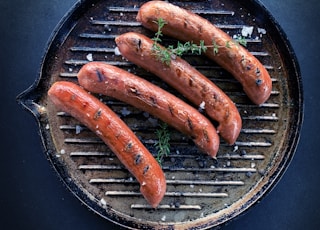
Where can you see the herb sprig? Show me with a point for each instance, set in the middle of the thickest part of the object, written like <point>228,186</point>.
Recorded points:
<point>162,145</point>
<point>165,55</point>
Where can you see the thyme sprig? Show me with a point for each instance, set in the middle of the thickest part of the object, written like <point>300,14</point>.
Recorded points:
<point>162,145</point>
<point>165,55</point>
<point>157,36</point>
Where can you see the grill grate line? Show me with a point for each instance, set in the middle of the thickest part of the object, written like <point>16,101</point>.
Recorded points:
<point>258,131</point>
<point>113,36</point>
<point>111,50</point>
<point>116,23</point>
<point>262,106</point>
<point>93,140</point>
<point>83,62</point>
<point>226,156</point>
<point>243,157</point>
<point>91,49</point>
<point>78,62</point>
<point>138,24</point>
<point>123,9</point>
<point>136,9</point>
<point>169,182</point>
<point>170,169</point>
<point>79,127</point>
<point>97,36</point>
<point>261,118</point>
<point>174,194</point>
<point>167,206</point>
<point>212,78</point>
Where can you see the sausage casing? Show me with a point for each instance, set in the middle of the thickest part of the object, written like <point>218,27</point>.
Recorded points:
<point>112,81</point>
<point>187,26</point>
<point>99,118</point>
<point>137,48</point>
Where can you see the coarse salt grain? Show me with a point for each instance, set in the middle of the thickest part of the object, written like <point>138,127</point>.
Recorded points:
<point>247,31</point>
<point>235,148</point>
<point>103,202</point>
<point>98,132</point>
<point>117,51</point>
<point>125,112</point>
<point>262,31</point>
<point>78,129</point>
<point>89,57</point>
<point>202,105</point>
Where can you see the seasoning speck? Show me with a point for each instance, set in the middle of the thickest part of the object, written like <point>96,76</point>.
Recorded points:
<point>202,106</point>
<point>117,51</point>
<point>107,27</point>
<point>103,202</point>
<point>78,129</point>
<point>247,31</point>
<point>262,31</point>
<point>125,112</point>
<point>243,152</point>
<point>235,148</point>
<point>89,57</point>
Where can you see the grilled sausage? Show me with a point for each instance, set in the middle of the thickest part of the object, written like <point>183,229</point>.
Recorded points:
<point>112,81</point>
<point>99,118</point>
<point>137,48</point>
<point>187,26</point>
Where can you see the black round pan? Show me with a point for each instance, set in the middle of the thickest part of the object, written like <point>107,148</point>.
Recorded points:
<point>202,193</point>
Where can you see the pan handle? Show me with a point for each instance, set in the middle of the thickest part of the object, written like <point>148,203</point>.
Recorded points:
<point>28,99</point>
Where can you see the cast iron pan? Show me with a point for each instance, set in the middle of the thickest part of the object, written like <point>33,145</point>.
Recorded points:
<point>201,192</point>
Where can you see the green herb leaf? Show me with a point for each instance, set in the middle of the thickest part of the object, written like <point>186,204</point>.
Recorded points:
<point>240,40</point>
<point>166,55</point>
<point>162,145</point>
<point>215,47</point>
<point>203,47</point>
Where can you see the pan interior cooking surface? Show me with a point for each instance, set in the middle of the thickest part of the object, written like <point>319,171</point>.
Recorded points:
<point>201,192</point>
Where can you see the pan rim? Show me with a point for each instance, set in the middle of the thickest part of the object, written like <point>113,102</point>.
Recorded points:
<point>68,21</point>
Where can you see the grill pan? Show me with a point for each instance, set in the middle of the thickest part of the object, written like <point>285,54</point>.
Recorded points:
<point>202,192</point>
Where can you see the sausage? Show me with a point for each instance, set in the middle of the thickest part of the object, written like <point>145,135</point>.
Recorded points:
<point>99,118</point>
<point>112,81</point>
<point>137,48</point>
<point>187,26</point>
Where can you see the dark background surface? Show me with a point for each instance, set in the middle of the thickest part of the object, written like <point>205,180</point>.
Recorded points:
<point>31,195</point>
